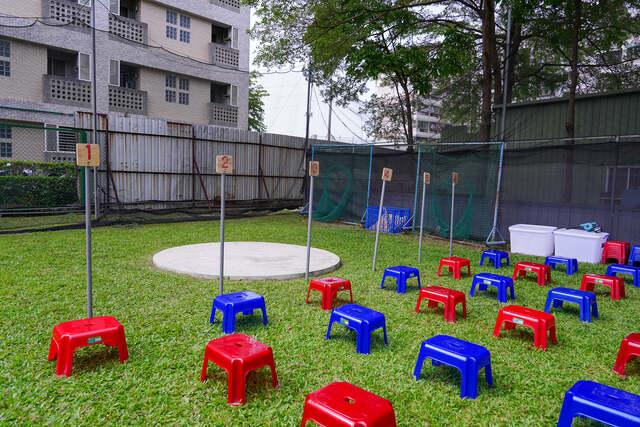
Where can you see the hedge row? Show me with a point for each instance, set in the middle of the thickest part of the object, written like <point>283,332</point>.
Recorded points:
<point>37,191</point>
<point>23,168</point>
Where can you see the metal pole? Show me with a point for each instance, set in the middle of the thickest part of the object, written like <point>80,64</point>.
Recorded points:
<point>453,196</point>
<point>306,274</point>
<point>415,194</point>
<point>375,249</point>
<point>94,99</point>
<point>221,232</point>
<point>87,223</point>
<point>506,76</point>
<point>613,187</point>
<point>366,205</point>
<point>95,193</point>
<point>424,190</point>
<point>494,229</point>
<point>329,121</point>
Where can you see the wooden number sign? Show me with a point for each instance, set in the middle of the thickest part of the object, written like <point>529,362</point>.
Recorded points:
<point>426,177</point>
<point>386,174</point>
<point>454,178</point>
<point>87,154</point>
<point>224,164</point>
<point>314,168</point>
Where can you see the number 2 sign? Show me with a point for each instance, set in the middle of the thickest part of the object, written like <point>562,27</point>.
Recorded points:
<point>224,164</point>
<point>386,174</point>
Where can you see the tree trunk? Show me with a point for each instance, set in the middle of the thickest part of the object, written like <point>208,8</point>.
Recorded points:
<point>516,40</point>
<point>485,79</point>
<point>409,115</point>
<point>571,114</point>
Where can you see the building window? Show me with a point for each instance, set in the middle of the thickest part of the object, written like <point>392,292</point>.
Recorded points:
<point>170,80</point>
<point>183,98</point>
<point>185,21</point>
<point>5,68</point>
<point>184,84</point>
<point>170,95</point>
<point>185,36</point>
<point>5,48</point>
<point>6,147</point>
<point>172,17</point>
<point>172,33</point>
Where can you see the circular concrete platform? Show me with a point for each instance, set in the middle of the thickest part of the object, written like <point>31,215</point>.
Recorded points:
<point>246,261</point>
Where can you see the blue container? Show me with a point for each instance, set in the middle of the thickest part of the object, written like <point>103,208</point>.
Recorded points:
<point>393,220</point>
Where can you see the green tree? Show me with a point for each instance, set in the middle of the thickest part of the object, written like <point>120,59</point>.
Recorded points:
<point>256,103</point>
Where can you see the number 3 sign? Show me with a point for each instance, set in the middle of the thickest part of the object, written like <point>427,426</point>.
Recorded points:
<point>224,164</point>
<point>386,174</point>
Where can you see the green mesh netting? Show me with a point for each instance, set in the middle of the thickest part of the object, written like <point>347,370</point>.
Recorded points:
<point>344,191</point>
<point>327,209</point>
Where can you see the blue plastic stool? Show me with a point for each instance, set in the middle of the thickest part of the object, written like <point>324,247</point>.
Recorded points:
<point>634,255</point>
<point>489,279</point>
<point>585,300</point>
<point>361,319</point>
<point>495,257</point>
<point>401,273</point>
<point>231,304</point>
<point>466,357</point>
<point>570,263</point>
<point>601,403</point>
<point>613,269</point>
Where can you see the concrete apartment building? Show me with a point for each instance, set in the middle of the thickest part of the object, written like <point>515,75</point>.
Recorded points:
<point>427,125</point>
<point>179,60</point>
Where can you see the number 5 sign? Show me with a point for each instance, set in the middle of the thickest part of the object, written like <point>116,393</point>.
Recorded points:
<point>224,164</point>
<point>87,154</point>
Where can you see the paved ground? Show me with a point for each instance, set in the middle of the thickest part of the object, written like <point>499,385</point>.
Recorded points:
<point>246,261</point>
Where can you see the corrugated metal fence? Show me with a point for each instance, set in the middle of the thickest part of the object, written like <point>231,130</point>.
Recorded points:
<point>155,164</point>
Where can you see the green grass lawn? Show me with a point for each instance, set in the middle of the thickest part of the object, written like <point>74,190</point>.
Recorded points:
<point>166,320</point>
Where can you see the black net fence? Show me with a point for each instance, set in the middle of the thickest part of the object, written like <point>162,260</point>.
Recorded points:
<point>554,182</point>
<point>566,184</point>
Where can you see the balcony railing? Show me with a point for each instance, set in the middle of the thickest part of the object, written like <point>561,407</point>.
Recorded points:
<point>67,12</point>
<point>228,4</point>
<point>127,100</point>
<point>224,56</point>
<point>127,28</point>
<point>59,90</point>
<point>223,115</point>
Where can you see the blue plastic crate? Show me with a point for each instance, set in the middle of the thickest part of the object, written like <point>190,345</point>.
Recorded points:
<point>393,220</point>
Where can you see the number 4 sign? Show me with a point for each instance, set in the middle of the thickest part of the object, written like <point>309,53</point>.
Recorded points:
<point>87,154</point>
<point>224,164</point>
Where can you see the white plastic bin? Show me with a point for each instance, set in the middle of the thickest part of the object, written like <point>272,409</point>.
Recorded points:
<point>532,239</point>
<point>585,246</point>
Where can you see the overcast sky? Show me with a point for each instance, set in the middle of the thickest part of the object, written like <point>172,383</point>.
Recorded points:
<point>286,105</point>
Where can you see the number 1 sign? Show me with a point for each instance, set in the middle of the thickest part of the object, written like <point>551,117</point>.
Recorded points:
<point>87,155</point>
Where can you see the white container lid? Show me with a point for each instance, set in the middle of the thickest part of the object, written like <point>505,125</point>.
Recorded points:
<point>530,228</point>
<point>583,234</point>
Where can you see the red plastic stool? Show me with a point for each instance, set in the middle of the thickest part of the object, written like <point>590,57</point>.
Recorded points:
<point>616,250</point>
<point>455,264</point>
<point>542,271</point>
<point>629,351</point>
<point>448,297</point>
<point>68,336</point>
<point>343,404</point>
<point>329,287</point>
<point>539,321</point>
<point>238,354</point>
<point>615,283</point>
